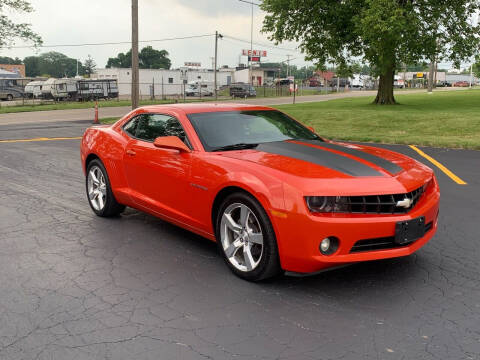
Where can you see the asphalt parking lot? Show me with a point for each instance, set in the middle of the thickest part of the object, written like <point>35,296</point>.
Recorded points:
<point>75,286</point>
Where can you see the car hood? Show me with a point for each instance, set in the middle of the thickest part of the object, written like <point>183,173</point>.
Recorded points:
<point>348,169</point>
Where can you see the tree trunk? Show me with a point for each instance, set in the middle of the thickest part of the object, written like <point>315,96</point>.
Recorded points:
<point>385,88</point>
<point>430,76</point>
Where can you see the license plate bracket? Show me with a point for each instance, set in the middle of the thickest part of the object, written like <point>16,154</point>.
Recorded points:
<point>409,230</point>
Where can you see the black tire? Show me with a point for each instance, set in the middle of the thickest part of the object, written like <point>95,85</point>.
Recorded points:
<point>9,97</point>
<point>269,263</point>
<point>111,206</point>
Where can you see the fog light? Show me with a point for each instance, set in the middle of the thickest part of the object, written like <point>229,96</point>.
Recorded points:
<point>325,245</point>
<point>329,245</point>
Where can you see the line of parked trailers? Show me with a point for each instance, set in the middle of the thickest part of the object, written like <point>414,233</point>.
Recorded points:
<point>59,89</point>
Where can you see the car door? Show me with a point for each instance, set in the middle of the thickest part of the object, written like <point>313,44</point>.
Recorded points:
<point>158,178</point>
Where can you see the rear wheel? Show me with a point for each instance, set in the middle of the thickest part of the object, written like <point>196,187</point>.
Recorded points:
<point>246,238</point>
<point>99,192</point>
<point>9,97</point>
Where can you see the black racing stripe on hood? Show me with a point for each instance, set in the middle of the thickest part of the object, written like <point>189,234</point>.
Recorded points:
<point>320,157</point>
<point>384,164</point>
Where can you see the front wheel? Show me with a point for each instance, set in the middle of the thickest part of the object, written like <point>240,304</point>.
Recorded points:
<point>99,192</point>
<point>246,238</point>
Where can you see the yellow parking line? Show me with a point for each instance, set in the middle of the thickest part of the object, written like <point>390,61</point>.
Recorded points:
<point>41,139</point>
<point>447,172</point>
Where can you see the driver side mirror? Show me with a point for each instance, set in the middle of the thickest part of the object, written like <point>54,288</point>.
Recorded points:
<point>311,129</point>
<point>171,142</point>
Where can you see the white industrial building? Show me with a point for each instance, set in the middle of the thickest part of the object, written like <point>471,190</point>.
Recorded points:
<point>162,81</point>
<point>172,82</point>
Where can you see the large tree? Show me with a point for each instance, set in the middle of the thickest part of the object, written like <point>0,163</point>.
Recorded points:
<point>59,65</point>
<point>53,64</point>
<point>32,66</point>
<point>123,60</point>
<point>149,58</point>
<point>10,30</point>
<point>385,33</point>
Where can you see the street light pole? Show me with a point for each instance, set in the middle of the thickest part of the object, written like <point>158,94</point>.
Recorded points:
<point>135,71</point>
<point>251,41</point>
<point>215,66</point>
<point>251,47</point>
<point>288,65</point>
<point>471,75</point>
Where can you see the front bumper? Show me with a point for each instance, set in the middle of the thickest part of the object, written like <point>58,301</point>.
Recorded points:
<point>300,232</point>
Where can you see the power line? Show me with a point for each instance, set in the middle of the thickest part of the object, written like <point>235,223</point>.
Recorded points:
<point>113,43</point>
<point>260,44</point>
<point>274,52</point>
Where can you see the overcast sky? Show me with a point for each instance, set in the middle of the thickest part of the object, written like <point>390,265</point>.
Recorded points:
<point>96,21</point>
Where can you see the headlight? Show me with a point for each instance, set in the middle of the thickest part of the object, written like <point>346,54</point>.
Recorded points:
<point>328,204</point>
<point>427,185</point>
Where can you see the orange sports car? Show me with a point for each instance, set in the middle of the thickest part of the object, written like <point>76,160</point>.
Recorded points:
<point>274,195</point>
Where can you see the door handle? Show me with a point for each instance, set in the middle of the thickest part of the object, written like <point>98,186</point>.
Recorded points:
<point>131,153</point>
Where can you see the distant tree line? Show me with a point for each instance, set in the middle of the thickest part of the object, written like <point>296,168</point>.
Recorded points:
<point>9,61</point>
<point>51,64</point>
<point>55,64</point>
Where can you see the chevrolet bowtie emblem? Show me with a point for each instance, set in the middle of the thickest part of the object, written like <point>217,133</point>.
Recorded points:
<point>405,203</point>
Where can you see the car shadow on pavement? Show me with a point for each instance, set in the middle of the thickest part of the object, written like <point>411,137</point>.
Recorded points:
<point>199,254</point>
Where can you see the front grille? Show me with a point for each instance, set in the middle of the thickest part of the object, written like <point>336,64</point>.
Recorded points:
<point>382,204</point>
<point>382,243</point>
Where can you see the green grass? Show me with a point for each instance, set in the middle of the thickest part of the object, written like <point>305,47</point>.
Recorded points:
<point>442,119</point>
<point>75,105</point>
<point>108,120</point>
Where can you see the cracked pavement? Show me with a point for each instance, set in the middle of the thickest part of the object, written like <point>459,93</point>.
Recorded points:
<point>76,286</point>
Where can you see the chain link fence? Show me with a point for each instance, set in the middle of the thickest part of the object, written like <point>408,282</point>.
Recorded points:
<point>165,92</point>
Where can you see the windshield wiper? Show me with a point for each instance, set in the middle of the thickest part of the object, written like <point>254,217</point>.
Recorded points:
<point>239,146</point>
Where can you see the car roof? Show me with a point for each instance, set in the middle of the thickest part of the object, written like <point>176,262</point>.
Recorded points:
<point>192,108</point>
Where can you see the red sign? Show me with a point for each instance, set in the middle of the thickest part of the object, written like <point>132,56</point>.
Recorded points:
<point>254,58</point>
<point>257,53</point>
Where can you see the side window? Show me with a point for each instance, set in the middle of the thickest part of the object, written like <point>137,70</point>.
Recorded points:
<point>151,126</point>
<point>131,127</point>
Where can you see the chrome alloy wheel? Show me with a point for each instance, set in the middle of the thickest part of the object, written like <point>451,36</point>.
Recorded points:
<point>97,188</point>
<point>241,237</point>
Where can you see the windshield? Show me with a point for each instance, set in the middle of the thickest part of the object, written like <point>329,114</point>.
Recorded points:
<point>222,129</point>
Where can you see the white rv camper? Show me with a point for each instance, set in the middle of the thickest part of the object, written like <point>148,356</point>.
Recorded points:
<point>59,89</point>
<point>33,90</point>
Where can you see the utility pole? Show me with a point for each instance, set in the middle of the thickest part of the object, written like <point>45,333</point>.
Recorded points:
<point>215,66</point>
<point>288,65</point>
<point>135,72</point>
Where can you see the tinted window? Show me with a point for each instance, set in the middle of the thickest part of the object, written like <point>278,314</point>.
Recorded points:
<point>150,126</point>
<point>219,129</point>
<point>131,126</point>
